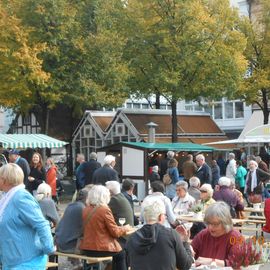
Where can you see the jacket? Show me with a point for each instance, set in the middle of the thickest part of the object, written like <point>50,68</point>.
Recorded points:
<point>100,233</point>
<point>104,174</point>
<point>159,248</point>
<point>262,176</point>
<point>39,175</point>
<point>226,195</point>
<point>22,162</point>
<point>240,181</point>
<point>204,173</point>
<point>120,207</point>
<point>25,233</point>
<point>51,179</point>
<point>89,170</point>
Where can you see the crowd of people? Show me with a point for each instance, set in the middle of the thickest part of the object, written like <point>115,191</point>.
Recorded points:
<point>100,222</point>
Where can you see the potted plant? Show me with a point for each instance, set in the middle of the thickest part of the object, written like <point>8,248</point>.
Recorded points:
<point>197,210</point>
<point>248,255</point>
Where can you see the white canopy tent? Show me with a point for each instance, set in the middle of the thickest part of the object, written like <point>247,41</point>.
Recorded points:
<point>255,137</point>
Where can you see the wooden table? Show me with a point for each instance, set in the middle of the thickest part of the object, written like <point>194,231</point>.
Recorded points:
<point>194,219</point>
<point>251,209</point>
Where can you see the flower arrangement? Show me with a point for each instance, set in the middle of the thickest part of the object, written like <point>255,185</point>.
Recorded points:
<point>248,252</point>
<point>197,208</point>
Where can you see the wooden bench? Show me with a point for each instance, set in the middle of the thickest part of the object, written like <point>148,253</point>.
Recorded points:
<point>250,229</point>
<point>51,264</point>
<point>84,258</point>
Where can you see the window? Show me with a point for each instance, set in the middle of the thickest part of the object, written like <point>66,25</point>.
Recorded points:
<point>198,108</point>
<point>239,109</point>
<point>145,106</point>
<point>129,105</point>
<point>218,111</point>
<point>189,108</point>
<point>27,119</point>
<point>229,110</point>
<point>208,109</point>
<point>136,105</point>
<point>87,131</point>
<point>119,129</point>
<point>162,107</point>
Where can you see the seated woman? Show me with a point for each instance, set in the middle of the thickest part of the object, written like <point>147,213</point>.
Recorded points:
<point>206,196</point>
<point>70,228</point>
<point>213,243</point>
<point>182,202</point>
<point>47,204</point>
<point>206,193</point>
<point>228,196</point>
<point>100,231</point>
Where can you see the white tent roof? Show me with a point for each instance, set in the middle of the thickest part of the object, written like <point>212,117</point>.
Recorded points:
<point>253,133</point>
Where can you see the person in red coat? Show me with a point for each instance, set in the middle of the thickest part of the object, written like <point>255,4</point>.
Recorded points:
<point>266,227</point>
<point>51,177</point>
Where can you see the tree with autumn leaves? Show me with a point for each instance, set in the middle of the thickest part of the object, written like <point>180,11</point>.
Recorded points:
<point>181,49</point>
<point>255,88</point>
<point>77,68</point>
<point>93,53</point>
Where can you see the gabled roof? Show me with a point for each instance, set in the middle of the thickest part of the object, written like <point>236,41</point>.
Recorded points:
<point>188,123</point>
<point>102,119</point>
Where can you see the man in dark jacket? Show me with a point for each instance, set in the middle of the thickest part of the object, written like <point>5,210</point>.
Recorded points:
<point>203,172</point>
<point>14,157</point>
<point>127,190</point>
<point>90,168</point>
<point>119,204</point>
<point>107,172</point>
<point>156,247</point>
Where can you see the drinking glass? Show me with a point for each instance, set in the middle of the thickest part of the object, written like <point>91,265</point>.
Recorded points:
<point>122,221</point>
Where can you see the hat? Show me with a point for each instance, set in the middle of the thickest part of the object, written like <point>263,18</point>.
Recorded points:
<point>14,152</point>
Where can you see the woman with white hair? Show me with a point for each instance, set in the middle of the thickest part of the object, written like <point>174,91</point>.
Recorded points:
<point>228,196</point>
<point>206,196</point>
<point>100,231</point>
<point>182,202</point>
<point>213,244</point>
<point>25,234</point>
<point>194,190</point>
<point>47,204</point>
<point>255,182</point>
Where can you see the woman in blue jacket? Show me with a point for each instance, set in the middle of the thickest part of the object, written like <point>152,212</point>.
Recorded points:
<point>174,175</point>
<point>25,234</point>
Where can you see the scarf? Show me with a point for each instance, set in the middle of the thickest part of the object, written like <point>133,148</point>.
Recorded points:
<point>253,183</point>
<point>7,197</point>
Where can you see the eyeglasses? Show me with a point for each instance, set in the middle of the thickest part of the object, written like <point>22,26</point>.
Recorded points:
<point>213,224</point>
<point>203,191</point>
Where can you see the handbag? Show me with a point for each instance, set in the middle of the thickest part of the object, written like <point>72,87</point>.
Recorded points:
<point>167,180</point>
<point>88,218</point>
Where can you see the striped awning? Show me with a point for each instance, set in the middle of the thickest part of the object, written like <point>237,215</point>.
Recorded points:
<point>29,141</point>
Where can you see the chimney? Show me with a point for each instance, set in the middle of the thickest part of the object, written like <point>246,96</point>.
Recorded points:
<point>151,132</point>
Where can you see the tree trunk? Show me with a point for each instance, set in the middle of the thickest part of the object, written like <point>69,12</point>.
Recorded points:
<point>265,107</point>
<point>174,121</point>
<point>157,101</point>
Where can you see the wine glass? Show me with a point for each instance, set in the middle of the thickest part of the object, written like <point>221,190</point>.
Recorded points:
<point>122,220</point>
